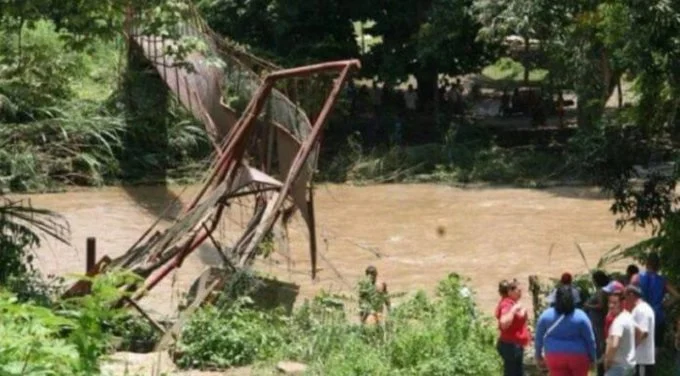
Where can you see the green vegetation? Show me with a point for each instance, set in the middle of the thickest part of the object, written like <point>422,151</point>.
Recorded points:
<point>77,108</point>
<point>78,111</point>
<point>469,155</point>
<point>65,121</point>
<point>506,69</point>
<point>422,336</point>
<point>41,333</point>
<point>67,337</point>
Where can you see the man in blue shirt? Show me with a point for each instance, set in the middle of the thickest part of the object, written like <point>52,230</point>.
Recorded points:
<point>654,288</point>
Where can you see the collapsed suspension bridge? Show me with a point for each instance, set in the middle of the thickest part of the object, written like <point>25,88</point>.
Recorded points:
<point>265,155</point>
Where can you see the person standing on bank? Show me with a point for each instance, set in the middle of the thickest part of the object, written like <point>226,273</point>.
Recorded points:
<point>619,358</point>
<point>596,307</point>
<point>373,297</point>
<point>643,316</point>
<point>654,288</point>
<point>566,335</point>
<point>512,322</point>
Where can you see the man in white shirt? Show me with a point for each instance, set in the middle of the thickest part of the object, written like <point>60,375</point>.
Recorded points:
<point>619,357</point>
<point>643,316</point>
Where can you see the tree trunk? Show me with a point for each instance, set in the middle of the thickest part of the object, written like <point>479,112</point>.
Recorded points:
<point>619,92</point>
<point>672,122</point>
<point>526,60</point>
<point>595,87</point>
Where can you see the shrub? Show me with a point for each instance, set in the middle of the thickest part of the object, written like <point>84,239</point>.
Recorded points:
<point>68,340</point>
<point>233,336</point>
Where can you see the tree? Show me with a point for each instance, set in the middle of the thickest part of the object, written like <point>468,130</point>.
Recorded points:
<point>293,32</point>
<point>425,38</point>
<point>642,39</point>
<point>652,53</point>
<point>576,38</point>
<point>530,19</point>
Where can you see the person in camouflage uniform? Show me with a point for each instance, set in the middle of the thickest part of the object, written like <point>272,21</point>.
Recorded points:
<point>373,297</point>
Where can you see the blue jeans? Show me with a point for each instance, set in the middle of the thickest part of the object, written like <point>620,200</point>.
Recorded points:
<point>513,358</point>
<point>619,370</point>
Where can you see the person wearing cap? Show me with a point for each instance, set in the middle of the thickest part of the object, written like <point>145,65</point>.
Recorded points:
<point>566,280</point>
<point>619,356</point>
<point>512,319</point>
<point>613,287</point>
<point>654,288</point>
<point>373,297</point>
<point>643,316</point>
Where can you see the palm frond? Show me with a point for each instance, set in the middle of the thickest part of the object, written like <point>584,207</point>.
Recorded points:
<point>20,216</point>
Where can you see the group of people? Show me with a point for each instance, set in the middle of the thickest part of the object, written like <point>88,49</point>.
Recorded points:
<point>534,103</point>
<point>618,330</point>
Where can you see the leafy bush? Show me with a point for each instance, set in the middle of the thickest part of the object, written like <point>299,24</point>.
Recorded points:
<point>35,71</point>
<point>234,336</point>
<point>67,120</point>
<point>442,336</point>
<point>67,340</point>
<point>30,341</point>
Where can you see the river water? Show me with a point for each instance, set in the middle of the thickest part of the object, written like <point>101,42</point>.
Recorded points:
<point>490,234</point>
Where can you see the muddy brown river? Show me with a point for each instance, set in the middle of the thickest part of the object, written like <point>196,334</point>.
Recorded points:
<point>490,234</point>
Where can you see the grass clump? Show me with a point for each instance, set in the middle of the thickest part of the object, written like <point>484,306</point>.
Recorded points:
<point>422,336</point>
<point>507,69</point>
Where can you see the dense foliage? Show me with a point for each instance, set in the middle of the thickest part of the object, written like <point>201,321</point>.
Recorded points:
<point>64,339</point>
<point>422,336</point>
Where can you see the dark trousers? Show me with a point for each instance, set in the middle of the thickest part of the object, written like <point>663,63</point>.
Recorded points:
<point>659,331</point>
<point>599,352</point>
<point>513,358</point>
<point>644,370</point>
<point>600,369</point>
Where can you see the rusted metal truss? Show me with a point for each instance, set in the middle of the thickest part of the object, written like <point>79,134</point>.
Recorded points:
<point>226,179</point>
<point>289,137</point>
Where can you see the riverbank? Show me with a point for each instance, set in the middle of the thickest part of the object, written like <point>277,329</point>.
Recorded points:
<point>455,165</point>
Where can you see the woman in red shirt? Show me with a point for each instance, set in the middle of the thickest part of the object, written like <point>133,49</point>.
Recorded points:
<point>514,333</point>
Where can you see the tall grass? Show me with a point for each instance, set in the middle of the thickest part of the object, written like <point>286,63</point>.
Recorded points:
<point>71,144</point>
<point>509,70</point>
